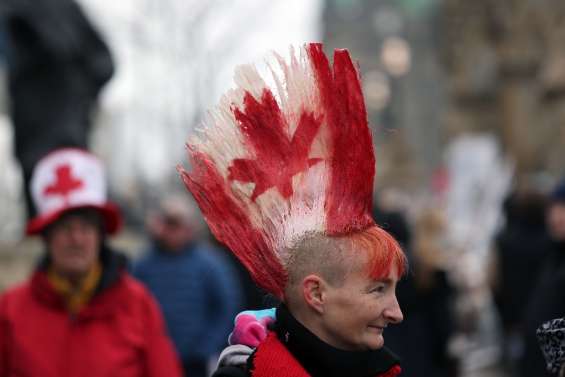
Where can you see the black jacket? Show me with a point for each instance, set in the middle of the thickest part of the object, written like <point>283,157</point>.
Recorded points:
<point>547,302</point>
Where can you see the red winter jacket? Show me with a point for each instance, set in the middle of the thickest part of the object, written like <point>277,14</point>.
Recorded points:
<point>120,333</point>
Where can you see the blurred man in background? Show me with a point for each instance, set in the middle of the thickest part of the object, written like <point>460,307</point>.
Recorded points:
<point>521,247</point>
<point>196,287</point>
<point>425,295</point>
<point>547,301</point>
<point>81,313</point>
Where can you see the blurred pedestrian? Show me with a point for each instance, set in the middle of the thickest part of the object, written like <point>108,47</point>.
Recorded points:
<point>425,295</point>
<point>547,300</point>
<point>520,250</point>
<point>195,285</point>
<point>81,313</point>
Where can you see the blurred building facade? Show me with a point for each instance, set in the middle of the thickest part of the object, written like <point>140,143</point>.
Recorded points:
<point>396,44</point>
<point>505,65</point>
<point>469,67</point>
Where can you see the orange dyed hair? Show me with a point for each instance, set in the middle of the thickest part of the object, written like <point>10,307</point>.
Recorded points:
<point>335,256</point>
<point>383,251</point>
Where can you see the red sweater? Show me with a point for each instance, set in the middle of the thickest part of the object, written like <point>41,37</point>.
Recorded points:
<point>120,332</point>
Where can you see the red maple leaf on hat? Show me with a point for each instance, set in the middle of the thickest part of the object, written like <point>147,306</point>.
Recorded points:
<point>278,156</point>
<point>64,183</point>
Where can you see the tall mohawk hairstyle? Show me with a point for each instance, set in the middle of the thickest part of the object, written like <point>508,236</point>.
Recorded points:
<point>271,166</point>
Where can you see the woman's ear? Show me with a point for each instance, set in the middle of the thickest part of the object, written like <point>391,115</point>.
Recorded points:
<point>314,292</point>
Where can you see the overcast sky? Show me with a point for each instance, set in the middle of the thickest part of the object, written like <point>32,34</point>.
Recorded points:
<point>175,58</point>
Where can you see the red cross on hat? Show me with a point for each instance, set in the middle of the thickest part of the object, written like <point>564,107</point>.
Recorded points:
<point>65,182</point>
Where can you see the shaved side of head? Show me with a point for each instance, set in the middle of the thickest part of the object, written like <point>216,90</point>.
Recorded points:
<point>332,258</point>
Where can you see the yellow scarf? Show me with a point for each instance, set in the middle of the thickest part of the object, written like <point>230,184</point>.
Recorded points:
<point>76,295</point>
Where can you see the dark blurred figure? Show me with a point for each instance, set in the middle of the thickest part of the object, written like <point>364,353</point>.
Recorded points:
<point>548,297</point>
<point>424,296</point>
<point>520,248</point>
<point>80,313</point>
<point>57,63</point>
<point>198,290</point>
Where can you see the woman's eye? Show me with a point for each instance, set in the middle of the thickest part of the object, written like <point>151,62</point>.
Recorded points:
<point>379,289</point>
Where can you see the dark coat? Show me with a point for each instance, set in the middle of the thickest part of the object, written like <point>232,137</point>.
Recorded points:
<point>547,302</point>
<point>428,318</point>
<point>520,248</point>
<point>427,312</point>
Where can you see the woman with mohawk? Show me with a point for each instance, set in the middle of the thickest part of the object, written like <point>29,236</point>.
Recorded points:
<point>285,180</point>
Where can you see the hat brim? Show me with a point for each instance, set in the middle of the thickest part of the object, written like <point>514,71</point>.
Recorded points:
<point>110,214</point>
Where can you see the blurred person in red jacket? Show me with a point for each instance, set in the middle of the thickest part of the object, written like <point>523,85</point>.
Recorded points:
<point>80,313</point>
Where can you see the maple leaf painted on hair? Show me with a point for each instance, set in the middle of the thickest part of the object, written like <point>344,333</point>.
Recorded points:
<point>64,183</point>
<point>278,157</point>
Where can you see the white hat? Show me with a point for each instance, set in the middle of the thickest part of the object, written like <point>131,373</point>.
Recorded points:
<point>67,179</point>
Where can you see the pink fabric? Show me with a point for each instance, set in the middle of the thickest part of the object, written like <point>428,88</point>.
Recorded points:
<point>249,330</point>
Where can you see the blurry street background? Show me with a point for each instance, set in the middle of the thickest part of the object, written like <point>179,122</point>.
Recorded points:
<point>466,100</point>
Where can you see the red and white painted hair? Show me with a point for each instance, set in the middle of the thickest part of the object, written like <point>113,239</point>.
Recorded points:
<point>271,165</point>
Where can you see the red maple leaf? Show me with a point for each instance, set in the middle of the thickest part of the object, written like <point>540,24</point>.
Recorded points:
<point>64,183</point>
<point>278,157</point>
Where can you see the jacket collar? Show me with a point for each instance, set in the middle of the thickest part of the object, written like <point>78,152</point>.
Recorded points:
<point>78,294</point>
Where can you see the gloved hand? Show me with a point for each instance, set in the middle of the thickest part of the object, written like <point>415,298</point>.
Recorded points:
<point>251,327</point>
